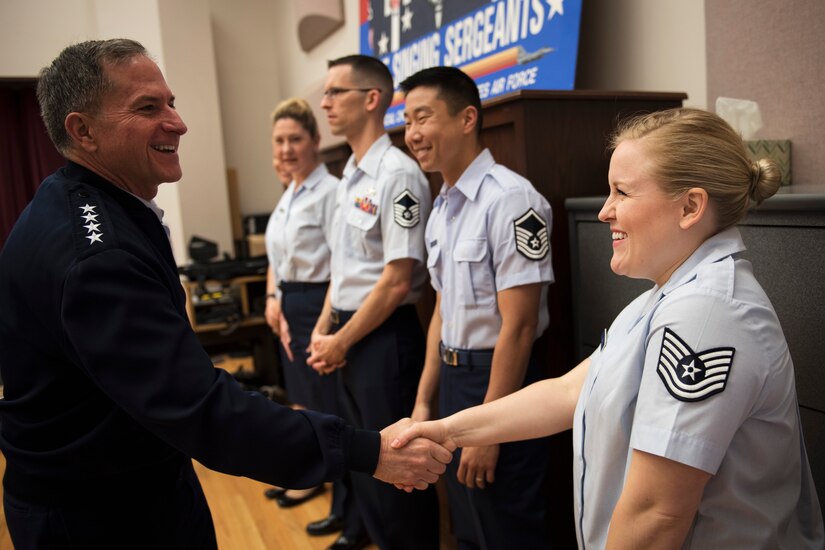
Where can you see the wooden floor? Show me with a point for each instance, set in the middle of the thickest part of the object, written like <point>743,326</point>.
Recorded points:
<point>245,519</point>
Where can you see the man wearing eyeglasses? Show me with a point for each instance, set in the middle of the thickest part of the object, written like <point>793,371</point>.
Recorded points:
<point>368,334</point>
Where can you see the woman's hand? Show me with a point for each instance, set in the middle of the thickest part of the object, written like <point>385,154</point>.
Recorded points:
<point>286,337</point>
<point>272,314</point>
<point>421,412</point>
<point>478,466</point>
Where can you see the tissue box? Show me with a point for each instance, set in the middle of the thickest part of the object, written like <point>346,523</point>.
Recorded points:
<point>778,150</point>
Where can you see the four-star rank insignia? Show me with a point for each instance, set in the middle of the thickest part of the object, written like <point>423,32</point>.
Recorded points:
<point>406,210</point>
<point>690,376</point>
<point>532,238</point>
<point>90,223</point>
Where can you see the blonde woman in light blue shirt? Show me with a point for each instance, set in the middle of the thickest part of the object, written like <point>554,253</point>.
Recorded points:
<point>686,430</point>
<point>297,245</point>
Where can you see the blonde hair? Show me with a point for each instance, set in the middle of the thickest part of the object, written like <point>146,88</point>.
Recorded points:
<point>298,110</point>
<point>694,148</point>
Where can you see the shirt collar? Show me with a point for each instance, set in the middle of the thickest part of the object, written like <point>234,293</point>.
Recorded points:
<point>315,177</point>
<point>151,205</point>
<point>717,247</point>
<point>470,181</point>
<point>371,161</point>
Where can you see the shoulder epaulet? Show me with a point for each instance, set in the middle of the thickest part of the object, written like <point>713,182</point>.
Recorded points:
<point>506,177</point>
<point>92,228</point>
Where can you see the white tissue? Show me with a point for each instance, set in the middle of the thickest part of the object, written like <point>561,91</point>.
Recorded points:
<point>742,114</point>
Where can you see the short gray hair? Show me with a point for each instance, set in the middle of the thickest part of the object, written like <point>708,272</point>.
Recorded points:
<point>76,81</point>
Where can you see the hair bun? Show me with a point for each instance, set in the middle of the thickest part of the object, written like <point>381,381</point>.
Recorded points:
<point>765,180</point>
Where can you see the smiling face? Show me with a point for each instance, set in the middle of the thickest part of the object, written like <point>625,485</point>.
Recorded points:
<point>648,241</point>
<point>434,136</point>
<point>133,138</point>
<point>295,150</point>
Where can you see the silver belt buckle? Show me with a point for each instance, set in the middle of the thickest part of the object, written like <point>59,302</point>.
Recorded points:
<point>449,356</point>
<point>334,317</point>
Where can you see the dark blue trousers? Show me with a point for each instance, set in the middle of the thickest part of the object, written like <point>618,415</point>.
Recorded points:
<point>301,304</point>
<point>511,512</point>
<point>163,517</point>
<point>377,387</point>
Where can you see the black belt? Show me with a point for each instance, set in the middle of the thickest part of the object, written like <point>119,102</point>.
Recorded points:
<point>298,286</point>
<point>469,357</point>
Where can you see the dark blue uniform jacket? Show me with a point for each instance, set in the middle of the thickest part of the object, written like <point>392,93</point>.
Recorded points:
<point>106,384</point>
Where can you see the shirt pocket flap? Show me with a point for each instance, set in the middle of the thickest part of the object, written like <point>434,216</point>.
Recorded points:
<point>470,250</point>
<point>360,219</point>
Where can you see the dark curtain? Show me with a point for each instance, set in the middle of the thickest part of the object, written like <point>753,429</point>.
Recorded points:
<point>27,155</point>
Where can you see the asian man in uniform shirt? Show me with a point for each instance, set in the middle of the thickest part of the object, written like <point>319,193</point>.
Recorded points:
<point>488,253</point>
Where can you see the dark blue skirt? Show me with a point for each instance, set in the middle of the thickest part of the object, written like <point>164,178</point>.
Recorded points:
<point>301,304</point>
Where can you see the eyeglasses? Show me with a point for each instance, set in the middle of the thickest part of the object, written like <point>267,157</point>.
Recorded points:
<point>332,93</point>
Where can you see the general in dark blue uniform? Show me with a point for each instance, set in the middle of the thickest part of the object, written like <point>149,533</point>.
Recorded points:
<point>108,392</point>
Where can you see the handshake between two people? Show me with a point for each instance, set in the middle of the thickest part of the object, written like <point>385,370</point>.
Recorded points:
<point>413,454</point>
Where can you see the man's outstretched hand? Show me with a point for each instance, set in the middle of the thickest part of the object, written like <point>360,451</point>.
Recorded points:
<point>413,466</point>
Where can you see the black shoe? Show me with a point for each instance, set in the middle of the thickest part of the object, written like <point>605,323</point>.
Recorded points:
<point>345,543</point>
<point>274,492</point>
<point>330,524</point>
<point>286,501</point>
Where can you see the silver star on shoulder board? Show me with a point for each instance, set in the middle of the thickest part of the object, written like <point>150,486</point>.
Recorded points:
<point>87,208</point>
<point>90,217</point>
<point>94,237</point>
<point>91,227</point>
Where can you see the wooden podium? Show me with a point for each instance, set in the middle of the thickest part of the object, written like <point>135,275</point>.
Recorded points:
<point>557,140</point>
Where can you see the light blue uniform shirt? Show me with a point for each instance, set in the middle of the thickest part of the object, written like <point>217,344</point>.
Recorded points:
<point>488,232</point>
<point>383,206</point>
<point>699,372</point>
<point>299,231</point>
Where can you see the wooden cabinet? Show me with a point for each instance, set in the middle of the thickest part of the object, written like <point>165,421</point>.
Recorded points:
<point>242,326</point>
<point>247,293</point>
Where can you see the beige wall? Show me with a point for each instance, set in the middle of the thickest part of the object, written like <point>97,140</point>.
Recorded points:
<point>644,45</point>
<point>773,54</point>
<point>246,39</point>
<point>190,69</point>
<point>260,63</point>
